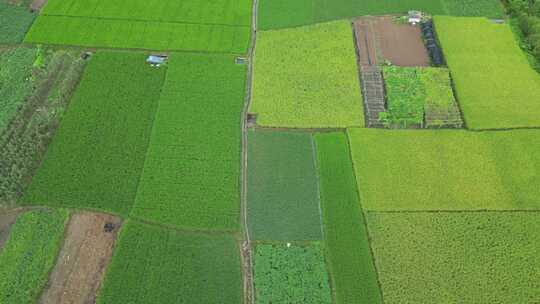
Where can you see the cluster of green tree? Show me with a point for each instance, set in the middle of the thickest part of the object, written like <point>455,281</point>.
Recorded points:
<point>527,13</point>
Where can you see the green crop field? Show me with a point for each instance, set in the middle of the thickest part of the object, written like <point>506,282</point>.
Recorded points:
<point>307,78</point>
<point>496,87</point>
<point>294,274</point>
<point>97,155</point>
<point>14,22</point>
<point>418,97</point>
<point>156,265</point>
<point>446,169</point>
<point>17,65</point>
<point>289,13</point>
<point>472,8</point>
<point>475,257</point>
<point>192,25</point>
<point>191,173</point>
<point>29,254</point>
<point>346,241</point>
<point>282,198</point>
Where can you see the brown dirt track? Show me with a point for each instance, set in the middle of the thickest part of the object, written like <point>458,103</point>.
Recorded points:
<point>401,44</point>
<point>6,221</point>
<point>82,261</point>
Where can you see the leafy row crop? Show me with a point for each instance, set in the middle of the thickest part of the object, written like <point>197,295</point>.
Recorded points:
<point>14,22</point>
<point>495,85</point>
<point>354,279</point>
<point>419,97</point>
<point>192,167</point>
<point>465,257</point>
<point>474,8</point>
<point>282,198</point>
<point>29,254</point>
<point>228,12</point>
<point>136,34</point>
<point>447,169</point>
<point>157,265</point>
<point>97,155</point>
<point>307,77</point>
<point>39,83</point>
<point>290,274</point>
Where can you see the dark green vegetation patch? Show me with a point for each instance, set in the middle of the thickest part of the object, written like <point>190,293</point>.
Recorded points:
<point>291,274</point>
<point>156,265</point>
<point>191,173</point>
<point>98,152</point>
<point>29,254</point>
<point>191,25</point>
<point>345,236</point>
<point>14,22</point>
<point>446,169</point>
<point>283,197</point>
<point>476,257</point>
<point>495,85</point>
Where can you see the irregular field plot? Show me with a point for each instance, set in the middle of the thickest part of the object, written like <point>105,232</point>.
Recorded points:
<point>81,263</point>
<point>346,241</point>
<point>294,274</point>
<point>289,13</point>
<point>192,168</point>
<point>29,254</point>
<point>495,85</point>
<point>191,25</point>
<point>476,257</point>
<point>14,22</point>
<point>282,198</point>
<point>98,152</point>
<point>156,265</point>
<point>307,77</point>
<point>447,170</point>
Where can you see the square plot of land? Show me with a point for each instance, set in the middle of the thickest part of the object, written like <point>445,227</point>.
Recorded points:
<point>283,196</point>
<point>457,257</point>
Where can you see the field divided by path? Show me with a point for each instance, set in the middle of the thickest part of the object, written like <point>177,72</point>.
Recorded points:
<point>282,197</point>
<point>29,254</point>
<point>345,237</point>
<point>193,25</point>
<point>307,78</point>
<point>466,257</point>
<point>191,173</point>
<point>97,155</point>
<point>495,85</point>
<point>447,169</point>
<point>158,265</point>
<point>290,13</point>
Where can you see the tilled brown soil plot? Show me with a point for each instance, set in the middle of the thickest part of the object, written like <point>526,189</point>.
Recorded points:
<point>81,264</point>
<point>399,43</point>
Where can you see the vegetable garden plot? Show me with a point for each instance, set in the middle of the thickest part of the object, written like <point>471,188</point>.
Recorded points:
<point>29,254</point>
<point>475,257</point>
<point>97,155</point>
<point>495,85</point>
<point>446,169</point>
<point>157,265</point>
<point>350,263</point>
<point>307,78</point>
<point>290,274</point>
<point>190,25</point>
<point>282,194</point>
<point>192,167</point>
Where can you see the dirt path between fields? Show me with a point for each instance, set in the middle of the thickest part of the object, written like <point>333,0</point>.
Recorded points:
<point>7,219</point>
<point>36,5</point>
<point>81,264</point>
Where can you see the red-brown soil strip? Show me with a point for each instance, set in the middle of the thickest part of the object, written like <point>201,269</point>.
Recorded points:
<point>81,264</point>
<point>365,40</point>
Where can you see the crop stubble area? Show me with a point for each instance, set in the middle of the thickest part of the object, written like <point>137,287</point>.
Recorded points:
<point>191,25</point>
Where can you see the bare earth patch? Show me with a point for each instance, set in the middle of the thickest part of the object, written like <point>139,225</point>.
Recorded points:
<point>7,219</point>
<point>399,43</point>
<point>81,264</point>
<point>36,5</point>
